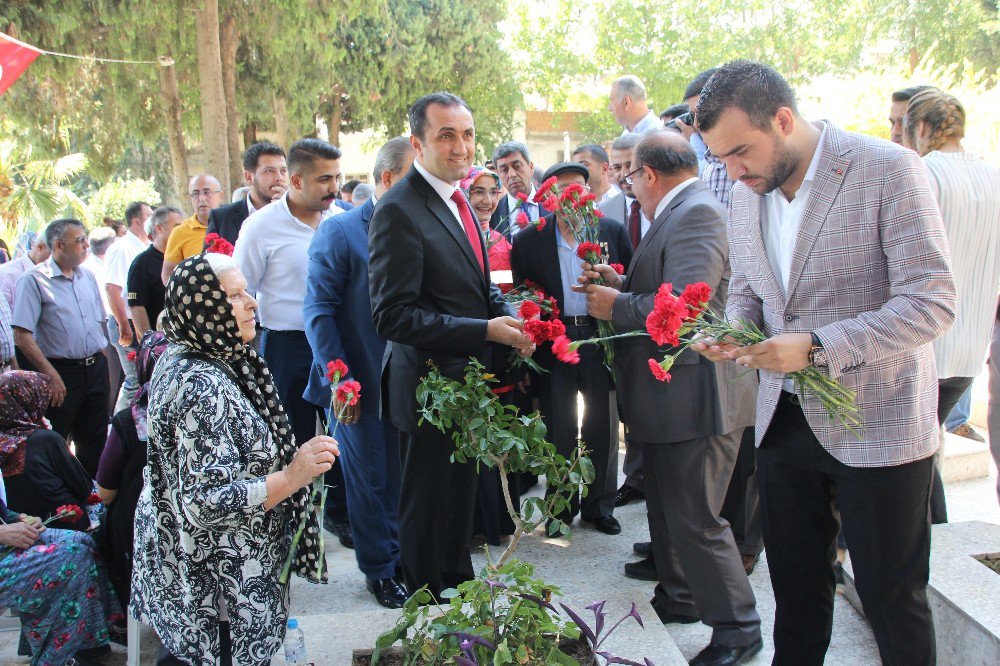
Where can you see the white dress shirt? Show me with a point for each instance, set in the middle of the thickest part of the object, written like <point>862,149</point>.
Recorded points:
<point>780,221</point>
<point>444,190</point>
<point>118,260</point>
<point>95,265</point>
<point>272,250</point>
<point>529,206</point>
<point>644,222</point>
<point>665,201</point>
<point>648,123</point>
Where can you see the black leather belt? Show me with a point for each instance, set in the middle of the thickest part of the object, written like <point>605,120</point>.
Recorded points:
<point>271,331</point>
<point>579,320</point>
<point>81,362</point>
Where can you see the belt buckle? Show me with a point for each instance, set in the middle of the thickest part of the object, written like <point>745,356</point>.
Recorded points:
<point>90,360</point>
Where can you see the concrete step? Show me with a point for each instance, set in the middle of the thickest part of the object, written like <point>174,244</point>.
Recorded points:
<point>964,459</point>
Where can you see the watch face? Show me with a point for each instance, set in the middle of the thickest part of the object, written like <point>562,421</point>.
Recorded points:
<point>817,357</point>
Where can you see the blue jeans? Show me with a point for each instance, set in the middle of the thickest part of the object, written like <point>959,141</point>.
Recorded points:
<point>960,413</point>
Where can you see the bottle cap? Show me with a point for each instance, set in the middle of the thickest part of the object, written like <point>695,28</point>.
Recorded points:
<point>293,623</point>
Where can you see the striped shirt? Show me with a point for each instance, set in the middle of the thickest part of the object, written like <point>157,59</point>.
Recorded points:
<point>968,192</point>
<point>6,332</point>
<point>716,177</point>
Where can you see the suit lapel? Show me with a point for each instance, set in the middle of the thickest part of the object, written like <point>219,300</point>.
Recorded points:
<point>660,223</point>
<point>826,185</point>
<point>756,235</point>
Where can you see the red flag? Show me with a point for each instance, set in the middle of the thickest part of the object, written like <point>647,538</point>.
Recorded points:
<point>15,57</point>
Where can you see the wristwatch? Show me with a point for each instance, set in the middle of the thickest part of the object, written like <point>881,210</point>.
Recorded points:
<point>817,355</point>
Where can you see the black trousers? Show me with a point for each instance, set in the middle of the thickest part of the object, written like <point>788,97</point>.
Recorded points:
<point>289,358</point>
<point>83,415</point>
<point>559,406</point>
<point>950,390</point>
<point>437,500</point>
<point>887,524</point>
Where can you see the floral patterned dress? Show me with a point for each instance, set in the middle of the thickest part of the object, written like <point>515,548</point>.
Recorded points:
<point>61,590</point>
<point>202,537</point>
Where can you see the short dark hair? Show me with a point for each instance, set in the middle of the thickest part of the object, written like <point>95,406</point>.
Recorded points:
<point>251,156</point>
<point>626,141</point>
<point>906,94</point>
<point>392,156</point>
<point>349,186</point>
<point>57,229</point>
<point>134,210</point>
<point>752,87</point>
<point>305,152</point>
<point>597,151</point>
<point>417,115</point>
<point>667,157</point>
<point>698,83</point>
<point>509,148</point>
<point>672,112</point>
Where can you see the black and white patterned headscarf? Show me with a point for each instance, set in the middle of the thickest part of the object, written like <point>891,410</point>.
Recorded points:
<point>199,316</point>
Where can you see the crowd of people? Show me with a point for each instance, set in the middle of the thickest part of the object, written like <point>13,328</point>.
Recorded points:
<point>185,359</point>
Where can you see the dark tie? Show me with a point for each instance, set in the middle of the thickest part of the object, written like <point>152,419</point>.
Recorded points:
<point>635,224</point>
<point>471,228</point>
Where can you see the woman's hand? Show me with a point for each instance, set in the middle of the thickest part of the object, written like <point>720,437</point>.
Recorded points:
<point>34,521</point>
<point>312,459</point>
<point>19,535</point>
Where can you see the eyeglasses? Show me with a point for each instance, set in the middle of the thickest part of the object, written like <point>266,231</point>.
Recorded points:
<point>204,193</point>
<point>627,178</point>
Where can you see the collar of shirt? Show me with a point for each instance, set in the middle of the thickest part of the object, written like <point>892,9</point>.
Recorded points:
<point>135,241</point>
<point>282,205</point>
<point>807,180</point>
<point>18,265</point>
<point>512,202</point>
<point>51,269</point>
<point>250,206</point>
<point>671,195</point>
<point>444,190</point>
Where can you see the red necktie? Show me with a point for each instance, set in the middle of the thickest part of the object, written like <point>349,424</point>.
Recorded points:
<point>471,229</point>
<point>634,225</point>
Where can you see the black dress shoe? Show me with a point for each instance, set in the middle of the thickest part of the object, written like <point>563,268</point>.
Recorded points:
<point>628,494</point>
<point>606,524</point>
<point>389,592</point>
<point>667,617</point>
<point>341,530</point>
<point>643,548</point>
<point>644,569</point>
<point>723,655</point>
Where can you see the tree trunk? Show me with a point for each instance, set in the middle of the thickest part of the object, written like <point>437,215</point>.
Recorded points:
<point>914,59</point>
<point>281,121</point>
<point>228,41</point>
<point>175,135</point>
<point>213,100</point>
<point>249,134</point>
<point>336,115</point>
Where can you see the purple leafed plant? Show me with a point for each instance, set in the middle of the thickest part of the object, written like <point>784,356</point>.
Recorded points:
<point>596,635</point>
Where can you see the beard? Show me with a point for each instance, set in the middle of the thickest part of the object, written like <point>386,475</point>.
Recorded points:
<point>782,167</point>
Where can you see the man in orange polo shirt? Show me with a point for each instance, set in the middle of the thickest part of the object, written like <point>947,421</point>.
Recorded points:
<point>188,238</point>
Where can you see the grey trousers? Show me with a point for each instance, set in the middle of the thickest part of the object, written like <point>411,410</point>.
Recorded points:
<point>993,420</point>
<point>130,386</point>
<point>699,568</point>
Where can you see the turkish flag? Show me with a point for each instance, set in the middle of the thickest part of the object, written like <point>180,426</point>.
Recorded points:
<point>15,57</point>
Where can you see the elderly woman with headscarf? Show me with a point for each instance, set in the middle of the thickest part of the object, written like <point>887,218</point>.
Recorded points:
<point>119,474</point>
<point>482,189</point>
<point>40,473</point>
<point>56,582</point>
<point>224,483</point>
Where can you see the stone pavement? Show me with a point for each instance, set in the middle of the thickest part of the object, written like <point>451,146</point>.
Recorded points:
<point>342,615</point>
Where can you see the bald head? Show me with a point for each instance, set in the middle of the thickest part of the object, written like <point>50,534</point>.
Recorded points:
<point>664,160</point>
<point>206,195</point>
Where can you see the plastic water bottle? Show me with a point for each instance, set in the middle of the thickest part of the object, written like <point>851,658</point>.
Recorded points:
<point>295,644</point>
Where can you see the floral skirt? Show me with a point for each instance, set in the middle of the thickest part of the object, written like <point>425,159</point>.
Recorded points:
<point>61,590</point>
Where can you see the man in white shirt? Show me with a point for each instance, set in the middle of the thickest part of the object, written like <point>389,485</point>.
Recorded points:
<point>629,106</point>
<point>116,264</point>
<point>272,250</point>
<point>32,250</point>
<point>515,168</point>
<point>101,239</point>
<point>596,159</point>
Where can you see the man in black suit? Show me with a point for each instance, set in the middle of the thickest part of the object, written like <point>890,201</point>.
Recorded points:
<point>433,301</point>
<point>547,256</point>
<point>266,174</point>
<point>515,168</point>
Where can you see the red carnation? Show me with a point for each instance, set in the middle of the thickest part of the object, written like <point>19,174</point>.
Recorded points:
<point>335,370</point>
<point>349,392</point>
<point>521,196</point>
<point>553,308</point>
<point>540,224</point>
<point>529,310</point>
<point>696,296</point>
<point>585,250</point>
<point>618,269</point>
<point>557,329</point>
<point>665,320</point>
<point>522,219</point>
<point>217,244</point>
<point>94,499</point>
<point>658,370</point>
<point>70,513</point>
<point>537,330</point>
<point>571,190</point>
<point>546,186</point>
<point>550,204</point>
<point>598,213</point>
<point>131,356</point>
<point>562,348</point>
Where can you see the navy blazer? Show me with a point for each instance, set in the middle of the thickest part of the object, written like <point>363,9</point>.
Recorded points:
<point>228,220</point>
<point>338,311</point>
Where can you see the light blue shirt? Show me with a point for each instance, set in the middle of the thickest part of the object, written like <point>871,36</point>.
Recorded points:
<point>647,123</point>
<point>574,304</point>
